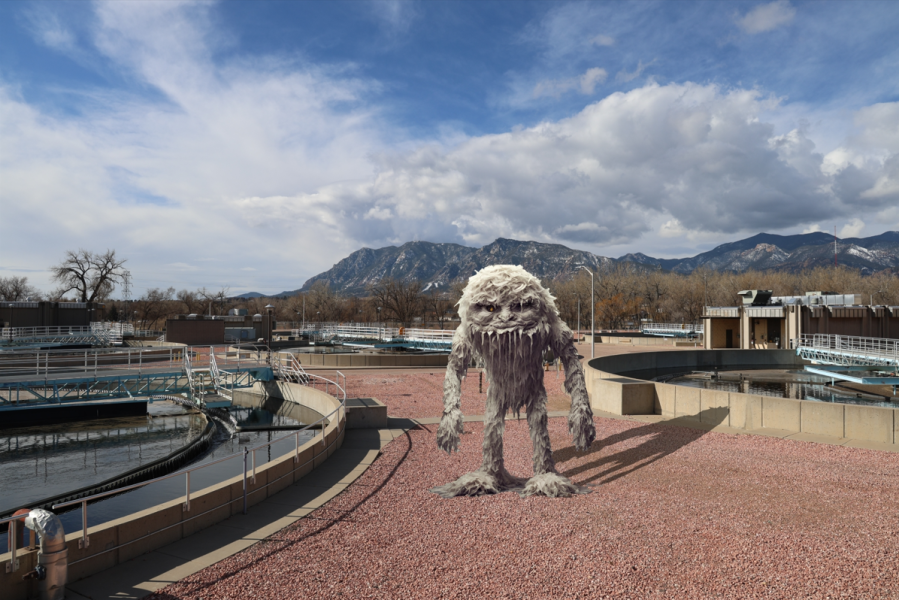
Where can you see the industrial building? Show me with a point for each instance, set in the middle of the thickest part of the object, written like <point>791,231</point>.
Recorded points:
<point>50,314</point>
<point>765,321</point>
<point>204,330</point>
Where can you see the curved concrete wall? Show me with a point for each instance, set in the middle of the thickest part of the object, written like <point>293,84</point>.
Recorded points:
<point>617,384</point>
<point>123,539</point>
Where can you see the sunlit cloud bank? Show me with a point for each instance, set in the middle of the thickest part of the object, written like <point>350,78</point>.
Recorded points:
<point>693,157</point>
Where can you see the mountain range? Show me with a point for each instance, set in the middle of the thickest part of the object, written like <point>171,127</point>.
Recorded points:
<point>438,265</point>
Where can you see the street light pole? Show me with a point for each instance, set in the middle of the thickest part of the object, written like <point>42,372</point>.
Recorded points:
<point>579,317</point>
<point>592,314</point>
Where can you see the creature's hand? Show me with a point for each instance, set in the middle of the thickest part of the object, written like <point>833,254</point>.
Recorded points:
<point>449,431</point>
<point>580,424</point>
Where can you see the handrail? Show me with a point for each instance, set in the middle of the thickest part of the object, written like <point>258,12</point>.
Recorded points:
<point>364,332</point>
<point>878,350</point>
<point>13,565</point>
<point>84,542</point>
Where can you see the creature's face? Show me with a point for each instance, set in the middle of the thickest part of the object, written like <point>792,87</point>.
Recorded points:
<point>506,299</point>
<point>507,314</point>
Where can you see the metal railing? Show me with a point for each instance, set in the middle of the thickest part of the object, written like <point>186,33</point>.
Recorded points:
<point>153,333</point>
<point>672,329</point>
<point>286,366</point>
<point>249,473</point>
<point>14,333</point>
<point>369,333</point>
<point>54,370</point>
<point>13,564</point>
<point>847,350</point>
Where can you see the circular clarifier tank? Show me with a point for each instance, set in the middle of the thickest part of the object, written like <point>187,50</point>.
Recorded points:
<point>43,461</point>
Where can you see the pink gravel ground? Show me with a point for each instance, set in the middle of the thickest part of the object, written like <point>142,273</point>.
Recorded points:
<point>415,395</point>
<point>673,513</point>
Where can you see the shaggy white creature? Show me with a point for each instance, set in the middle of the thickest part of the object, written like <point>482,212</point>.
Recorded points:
<point>509,319</point>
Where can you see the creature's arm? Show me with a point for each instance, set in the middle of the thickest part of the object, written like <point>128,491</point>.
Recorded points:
<point>451,423</point>
<point>580,417</point>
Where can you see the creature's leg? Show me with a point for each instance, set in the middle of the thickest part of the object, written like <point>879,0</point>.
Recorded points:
<point>492,477</point>
<point>545,482</point>
<point>536,413</point>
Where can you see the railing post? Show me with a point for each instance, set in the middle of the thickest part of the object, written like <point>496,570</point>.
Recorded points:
<point>13,564</point>
<point>85,541</point>
<point>296,452</point>
<point>187,492</point>
<point>254,466</point>
<point>245,451</point>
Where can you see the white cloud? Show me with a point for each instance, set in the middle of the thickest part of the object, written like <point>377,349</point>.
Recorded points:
<point>672,229</point>
<point>852,229</point>
<point>686,160</point>
<point>603,40</point>
<point>395,16</point>
<point>624,76</point>
<point>585,84</point>
<point>813,228</point>
<point>767,17</point>
<point>591,78</point>
<point>46,27</point>
<point>179,174</point>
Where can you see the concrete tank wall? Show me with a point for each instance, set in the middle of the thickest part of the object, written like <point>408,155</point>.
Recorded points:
<point>618,384</point>
<point>120,540</point>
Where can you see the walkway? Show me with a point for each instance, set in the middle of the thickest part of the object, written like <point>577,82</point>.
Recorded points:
<point>157,569</point>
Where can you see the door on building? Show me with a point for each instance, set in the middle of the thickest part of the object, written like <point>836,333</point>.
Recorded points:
<point>774,333</point>
<point>728,338</point>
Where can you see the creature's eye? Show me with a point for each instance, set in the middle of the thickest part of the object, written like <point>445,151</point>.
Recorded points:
<point>489,307</point>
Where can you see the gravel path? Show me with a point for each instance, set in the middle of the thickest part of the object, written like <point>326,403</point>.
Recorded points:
<point>414,395</point>
<point>673,513</point>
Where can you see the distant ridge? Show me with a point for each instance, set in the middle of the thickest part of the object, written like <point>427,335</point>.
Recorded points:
<point>439,265</point>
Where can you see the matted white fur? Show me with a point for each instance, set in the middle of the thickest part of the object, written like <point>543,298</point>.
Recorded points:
<point>509,320</point>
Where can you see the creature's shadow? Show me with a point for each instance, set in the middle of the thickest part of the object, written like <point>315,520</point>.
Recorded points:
<point>656,446</point>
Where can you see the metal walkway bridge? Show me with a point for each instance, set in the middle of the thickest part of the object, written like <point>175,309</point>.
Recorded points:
<point>206,375</point>
<point>836,356</point>
<point>436,340</point>
<point>672,329</point>
<point>97,334</point>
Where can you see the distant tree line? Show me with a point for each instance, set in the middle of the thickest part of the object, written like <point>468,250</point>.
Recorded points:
<point>624,295</point>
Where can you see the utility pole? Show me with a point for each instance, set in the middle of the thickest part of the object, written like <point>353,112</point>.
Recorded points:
<point>592,314</point>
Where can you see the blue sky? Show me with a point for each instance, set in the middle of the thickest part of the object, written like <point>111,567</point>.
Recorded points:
<point>255,144</point>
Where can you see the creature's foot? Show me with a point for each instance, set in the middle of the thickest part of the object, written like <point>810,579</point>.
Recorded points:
<point>552,485</point>
<point>479,483</point>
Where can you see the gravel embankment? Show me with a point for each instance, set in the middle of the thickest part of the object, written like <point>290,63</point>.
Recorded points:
<point>673,513</point>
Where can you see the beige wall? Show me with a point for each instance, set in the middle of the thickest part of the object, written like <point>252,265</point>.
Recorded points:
<point>718,333</point>
<point>612,392</point>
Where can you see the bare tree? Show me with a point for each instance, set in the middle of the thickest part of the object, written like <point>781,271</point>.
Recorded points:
<point>152,306</point>
<point>437,304</point>
<point>398,299</point>
<point>215,300</point>
<point>14,289</point>
<point>92,276</point>
<point>322,304</point>
<point>192,301</point>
